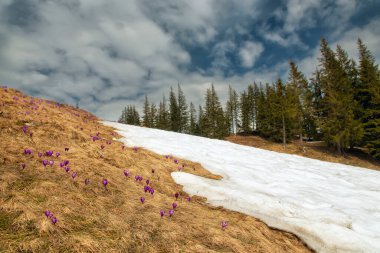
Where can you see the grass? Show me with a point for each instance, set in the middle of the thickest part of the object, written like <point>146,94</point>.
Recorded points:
<point>92,218</point>
<point>316,150</point>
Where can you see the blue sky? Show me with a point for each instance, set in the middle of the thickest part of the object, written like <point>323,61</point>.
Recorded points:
<point>107,54</point>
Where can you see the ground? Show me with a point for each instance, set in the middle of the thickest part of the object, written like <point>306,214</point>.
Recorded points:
<point>111,218</point>
<point>316,150</point>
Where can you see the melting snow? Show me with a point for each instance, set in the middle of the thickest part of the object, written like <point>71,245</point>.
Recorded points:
<point>332,207</point>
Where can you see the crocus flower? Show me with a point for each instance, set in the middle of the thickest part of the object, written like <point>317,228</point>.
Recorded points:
<point>147,181</point>
<point>123,147</point>
<point>142,199</point>
<point>67,169</point>
<point>171,212</point>
<point>47,213</point>
<point>39,154</point>
<point>166,156</point>
<point>162,213</point>
<point>61,164</point>
<point>179,168</point>
<point>74,175</point>
<point>24,129</point>
<point>54,220</point>
<point>51,163</point>
<point>66,162</point>
<point>176,195</point>
<point>188,198</point>
<point>151,191</point>
<point>57,154</point>
<point>224,224</point>
<point>174,205</point>
<point>66,149</point>
<point>87,181</point>
<point>23,165</point>
<point>152,171</point>
<point>105,182</point>
<point>49,153</point>
<point>101,146</point>
<point>146,188</point>
<point>135,149</point>
<point>126,173</point>
<point>45,162</point>
<point>175,161</point>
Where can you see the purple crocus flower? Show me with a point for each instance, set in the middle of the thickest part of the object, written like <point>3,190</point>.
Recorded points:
<point>126,173</point>
<point>123,147</point>
<point>105,182</point>
<point>39,154</point>
<point>49,153</point>
<point>66,162</point>
<point>66,149</point>
<point>151,191</point>
<point>57,154</point>
<point>174,205</point>
<point>142,199</point>
<point>47,213</point>
<point>87,181</point>
<point>23,165</point>
<point>67,169</point>
<point>166,156</point>
<point>179,168</point>
<point>45,162</point>
<point>188,198</point>
<point>152,171</point>
<point>101,146</point>
<point>74,175</point>
<point>147,182</point>
<point>171,212</point>
<point>24,129</point>
<point>146,188</point>
<point>54,220</point>
<point>175,161</point>
<point>162,213</point>
<point>224,224</point>
<point>61,164</point>
<point>135,149</point>
<point>176,195</point>
<point>51,163</point>
<point>31,134</point>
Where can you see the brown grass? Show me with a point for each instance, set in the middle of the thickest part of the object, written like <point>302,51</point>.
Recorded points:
<point>316,150</point>
<point>92,218</point>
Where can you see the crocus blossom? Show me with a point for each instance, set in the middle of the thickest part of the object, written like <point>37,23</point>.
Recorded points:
<point>31,134</point>
<point>171,212</point>
<point>47,213</point>
<point>175,161</point>
<point>61,164</point>
<point>123,147</point>
<point>174,205</point>
<point>224,224</point>
<point>188,198</point>
<point>45,162</point>
<point>23,165</point>
<point>105,182</point>
<point>146,188</point>
<point>51,163</point>
<point>66,162</point>
<point>135,149</point>
<point>39,154</point>
<point>67,169</point>
<point>66,149</point>
<point>87,181</point>
<point>54,220</point>
<point>74,175</point>
<point>162,213</point>
<point>151,191</point>
<point>147,182</point>
<point>142,199</point>
<point>101,146</point>
<point>49,153</point>
<point>57,154</point>
<point>176,195</point>
<point>126,173</point>
<point>24,129</point>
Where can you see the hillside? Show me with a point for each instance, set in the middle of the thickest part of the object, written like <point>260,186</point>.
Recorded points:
<point>331,206</point>
<point>315,150</point>
<point>91,217</point>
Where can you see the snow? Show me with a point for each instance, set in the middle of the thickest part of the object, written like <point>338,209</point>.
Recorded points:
<point>332,207</point>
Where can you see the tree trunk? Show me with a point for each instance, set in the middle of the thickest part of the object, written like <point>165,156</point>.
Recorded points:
<point>283,131</point>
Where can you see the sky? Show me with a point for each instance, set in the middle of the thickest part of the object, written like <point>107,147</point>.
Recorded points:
<point>104,55</point>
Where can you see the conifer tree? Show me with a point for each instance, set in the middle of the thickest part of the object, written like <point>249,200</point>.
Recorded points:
<point>183,116</point>
<point>367,95</point>
<point>232,110</point>
<point>245,112</point>
<point>146,113</point>
<point>123,117</point>
<point>193,120</point>
<point>152,115</point>
<point>174,112</point>
<point>163,120</point>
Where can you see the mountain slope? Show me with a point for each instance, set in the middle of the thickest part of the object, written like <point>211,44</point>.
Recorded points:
<point>331,206</point>
<point>97,218</point>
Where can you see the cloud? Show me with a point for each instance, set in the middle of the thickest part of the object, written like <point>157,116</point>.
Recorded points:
<point>249,53</point>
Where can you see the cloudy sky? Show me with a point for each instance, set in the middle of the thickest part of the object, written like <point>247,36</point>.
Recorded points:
<point>105,54</point>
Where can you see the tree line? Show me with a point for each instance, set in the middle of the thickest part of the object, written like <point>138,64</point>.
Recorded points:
<point>339,104</point>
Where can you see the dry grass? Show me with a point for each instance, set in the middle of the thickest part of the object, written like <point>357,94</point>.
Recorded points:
<point>316,150</point>
<point>92,218</point>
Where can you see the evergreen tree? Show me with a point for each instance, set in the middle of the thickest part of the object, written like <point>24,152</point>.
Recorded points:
<point>245,112</point>
<point>232,110</point>
<point>201,120</point>
<point>174,112</point>
<point>183,116</point>
<point>146,113</point>
<point>193,127</point>
<point>367,94</point>
<point>163,120</point>
<point>123,116</point>
<point>152,116</point>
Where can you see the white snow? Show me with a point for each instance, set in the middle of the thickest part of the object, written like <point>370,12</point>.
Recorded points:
<point>332,207</point>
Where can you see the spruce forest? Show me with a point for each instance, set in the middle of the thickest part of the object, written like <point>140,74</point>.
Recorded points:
<point>338,104</point>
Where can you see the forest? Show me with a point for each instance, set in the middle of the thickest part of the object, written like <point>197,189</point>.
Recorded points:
<point>338,104</point>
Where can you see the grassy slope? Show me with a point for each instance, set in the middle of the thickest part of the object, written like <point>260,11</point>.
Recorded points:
<point>316,150</point>
<point>91,218</point>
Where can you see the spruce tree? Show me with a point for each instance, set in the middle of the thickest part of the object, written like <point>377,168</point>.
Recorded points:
<point>183,116</point>
<point>245,112</point>
<point>174,112</point>
<point>232,110</point>
<point>193,120</point>
<point>152,115</point>
<point>146,113</point>
<point>367,94</point>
